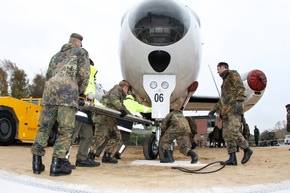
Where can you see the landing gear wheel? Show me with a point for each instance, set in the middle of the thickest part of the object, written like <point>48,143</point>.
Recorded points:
<point>150,147</point>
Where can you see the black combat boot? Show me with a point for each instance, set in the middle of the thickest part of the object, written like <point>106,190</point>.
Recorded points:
<point>59,167</point>
<point>247,155</point>
<point>68,164</point>
<point>91,156</point>
<point>108,159</point>
<point>232,161</point>
<point>193,155</point>
<point>117,155</point>
<point>87,163</point>
<point>37,165</point>
<point>168,157</point>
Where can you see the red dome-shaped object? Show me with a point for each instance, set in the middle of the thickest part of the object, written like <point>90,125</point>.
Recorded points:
<point>257,80</point>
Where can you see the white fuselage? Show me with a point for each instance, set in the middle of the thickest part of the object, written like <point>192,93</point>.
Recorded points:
<point>160,37</point>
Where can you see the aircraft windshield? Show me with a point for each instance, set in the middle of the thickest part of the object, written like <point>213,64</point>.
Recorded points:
<point>165,28</point>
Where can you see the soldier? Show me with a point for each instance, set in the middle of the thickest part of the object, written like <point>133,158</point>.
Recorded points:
<point>84,124</point>
<point>176,126</point>
<point>133,107</point>
<point>193,129</point>
<point>106,127</point>
<point>231,107</point>
<point>288,118</point>
<point>66,78</point>
<point>245,130</point>
<point>256,135</point>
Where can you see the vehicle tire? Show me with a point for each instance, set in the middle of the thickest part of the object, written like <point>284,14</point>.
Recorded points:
<point>7,128</point>
<point>150,147</point>
<point>53,135</point>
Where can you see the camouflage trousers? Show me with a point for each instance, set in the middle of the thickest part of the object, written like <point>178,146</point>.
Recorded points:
<point>182,139</point>
<point>65,117</point>
<point>85,133</point>
<point>232,134</point>
<point>105,129</point>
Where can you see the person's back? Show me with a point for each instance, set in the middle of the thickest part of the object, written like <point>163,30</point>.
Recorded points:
<point>65,77</point>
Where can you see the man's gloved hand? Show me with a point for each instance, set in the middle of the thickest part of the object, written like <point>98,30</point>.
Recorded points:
<point>123,113</point>
<point>211,113</point>
<point>239,107</point>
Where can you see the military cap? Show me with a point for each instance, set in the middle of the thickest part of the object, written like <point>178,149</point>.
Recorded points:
<point>288,105</point>
<point>124,82</point>
<point>75,35</point>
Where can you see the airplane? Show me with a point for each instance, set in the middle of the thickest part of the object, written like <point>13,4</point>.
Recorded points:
<point>160,56</point>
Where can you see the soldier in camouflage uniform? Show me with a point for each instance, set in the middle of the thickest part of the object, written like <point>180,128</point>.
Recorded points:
<point>106,127</point>
<point>67,77</point>
<point>244,130</point>
<point>231,108</point>
<point>288,118</point>
<point>176,126</point>
<point>193,129</point>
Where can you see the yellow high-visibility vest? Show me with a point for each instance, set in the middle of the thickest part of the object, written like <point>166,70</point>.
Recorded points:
<point>135,107</point>
<point>91,88</point>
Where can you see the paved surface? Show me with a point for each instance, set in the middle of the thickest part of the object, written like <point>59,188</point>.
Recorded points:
<point>11,182</point>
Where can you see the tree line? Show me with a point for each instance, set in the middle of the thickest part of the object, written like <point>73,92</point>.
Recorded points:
<point>15,83</point>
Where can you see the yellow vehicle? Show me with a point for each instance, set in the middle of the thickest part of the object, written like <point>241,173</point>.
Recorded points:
<point>19,120</point>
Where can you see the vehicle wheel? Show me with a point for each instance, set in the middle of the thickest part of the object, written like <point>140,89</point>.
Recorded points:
<point>150,147</point>
<point>7,128</point>
<point>53,135</point>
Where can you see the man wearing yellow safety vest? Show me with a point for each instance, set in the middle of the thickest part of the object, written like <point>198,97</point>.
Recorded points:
<point>84,124</point>
<point>134,107</point>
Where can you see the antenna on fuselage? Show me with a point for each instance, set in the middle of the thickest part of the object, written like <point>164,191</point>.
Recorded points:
<point>214,81</point>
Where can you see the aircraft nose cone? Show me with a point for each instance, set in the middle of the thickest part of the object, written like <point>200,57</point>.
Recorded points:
<point>159,60</point>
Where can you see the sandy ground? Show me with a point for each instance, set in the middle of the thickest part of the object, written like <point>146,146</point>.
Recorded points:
<point>267,165</point>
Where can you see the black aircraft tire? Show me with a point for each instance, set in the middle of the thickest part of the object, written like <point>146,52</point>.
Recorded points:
<point>150,150</point>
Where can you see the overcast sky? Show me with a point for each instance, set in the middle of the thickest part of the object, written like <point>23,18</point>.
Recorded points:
<point>247,34</point>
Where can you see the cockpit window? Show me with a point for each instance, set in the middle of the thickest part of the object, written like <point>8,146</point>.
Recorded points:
<point>159,23</point>
<point>159,30</point>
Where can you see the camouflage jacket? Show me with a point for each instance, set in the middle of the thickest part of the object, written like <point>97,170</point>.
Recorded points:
<point>175,122</point>
<point>67,76</point>
<point>113,99</point>
<point>232,90</point>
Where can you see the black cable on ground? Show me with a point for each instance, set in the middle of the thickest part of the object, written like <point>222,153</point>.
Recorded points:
<point>198,171</point>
